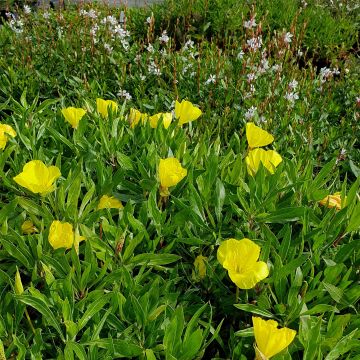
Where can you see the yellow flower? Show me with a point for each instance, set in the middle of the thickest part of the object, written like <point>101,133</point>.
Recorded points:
<point>28,227</point>
<point>269,339</point>
<point>73,115</point>
<point>269,158</point>
<point>37,177</point>
<point>257,137</point>
<point>136,116</point>
<point>109,202</point>
<point>61,235</point>
<point>5,130</point>
<point>186,112</point>
<point>170,172</point>
<point>332,201</point>
<point>166,118</point>
<point>200,266</point>
<point>240,259</point>
<point>104,105</point>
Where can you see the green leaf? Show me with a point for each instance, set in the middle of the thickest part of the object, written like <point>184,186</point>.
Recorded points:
<point>93,309</point>
<point>42,307</point>
<point>335,292</point>
<point>154,259</point>
<point>282,216</point>
<point>118,348</point>
<point>354,222</point>
<point>254,310</point>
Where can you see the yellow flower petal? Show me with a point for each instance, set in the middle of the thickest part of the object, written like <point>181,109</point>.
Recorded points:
<point>186,112</point>
<point>166,120</point>
<point>135,116</point>
<point>332,201</point>
<point>269,158</point>
<point>251,276</point>
<point>257,137</point>
<point>5,130</point>
<point>104,105</point>
<point>73,115</point>
<point>240,258</point>
<point>269,339</point>
<point>61,235</point>
<point>109,202</point>
<point>171,172</point>
<point>37,177</point>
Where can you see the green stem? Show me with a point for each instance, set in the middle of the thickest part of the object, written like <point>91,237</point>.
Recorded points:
<point>29,321</point>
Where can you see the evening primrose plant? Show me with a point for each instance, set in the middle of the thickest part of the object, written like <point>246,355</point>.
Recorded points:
<point>206,205</point>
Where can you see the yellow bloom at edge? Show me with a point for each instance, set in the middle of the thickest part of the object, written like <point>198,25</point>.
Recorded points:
<point>269,339</point>
<point>28,227</point>
<point>61,235</point>
<point>73,115</point>
<point>5,130</point>
<point>269,158</point>
<point>200,266</point>
<point>109,202</point>
<point>240,259</point>
<point>186,112</point>
<point>37,177</point>
<point>332,201</point>
<point>257,137</point>
<point>104,105</point>
<point>170,172</point>
<point>135,116</point>
<point>166,118</point>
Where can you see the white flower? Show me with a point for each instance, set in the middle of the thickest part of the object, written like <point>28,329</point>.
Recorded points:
<point>336,71</point>
<point>148,19</point>
<point>211,80</point>
<point>92,14</point>
<point>255,43</point>
<point>291,97</point>
<point>192,74</point>
<point>142,77</point>
<point>358,100</point>
<point>163,52</point>
<point>93,30</point>
<point>16,26</point>
<point>250,113</point>
<point>250,24</point>
<point>124,94</point>
<point>287,37</point>
<point>277,67</point>
<point>293,84</point>
<point>251,77</point>
<point>27,9</point>
<point>46,15</point>
<point>108,48</point>
<point>154,68</point>
<point>83,12</point>
<point>188,45</point>
<point>164,38</point>
<point>150,48</point>
<point>240,55</point>
<point>262,119</point>
<point>111,20</point>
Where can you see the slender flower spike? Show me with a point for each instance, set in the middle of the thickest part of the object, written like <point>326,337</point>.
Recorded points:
<point>109,202</point>
<point>186,112</point>
<point>61,235</point>
<point>37,177</point>
<point>257,137</point>
<point>170,173</point>
<point>136,116</point>
<point>240,259</point>
<point>332,201</point>
<point>269,158</point>
<point>5,131</point>
<point>73,115</point>
<point>104,105</point>
<point>166,118</point>
<point>269,339</point>
<point>28,227</point>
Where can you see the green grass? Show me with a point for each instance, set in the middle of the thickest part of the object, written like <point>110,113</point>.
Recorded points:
<point>132,290</point>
